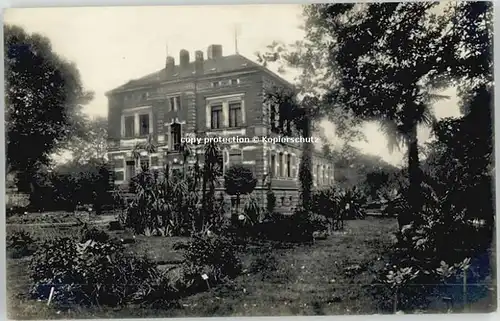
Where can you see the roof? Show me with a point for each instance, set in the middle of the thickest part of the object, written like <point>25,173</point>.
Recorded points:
<point>214,67</point>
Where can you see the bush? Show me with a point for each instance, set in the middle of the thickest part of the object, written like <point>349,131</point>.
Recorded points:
<point>395,206</point>
<point>336,205</point>
<point>437,244</point>
<point>319,223</point>
<point>252,212</point>
<point>212,255</point>
<point>351,204</point>
<point>20,244</point>
<point>271,201</point>
<point>72,184</point>
<point>15,210</point>
<point>95,273</point>
<point>298,227</point>
<point>93,234</point>
<point>326,204</point>
<point>239,180</point>
<point>168,205</point>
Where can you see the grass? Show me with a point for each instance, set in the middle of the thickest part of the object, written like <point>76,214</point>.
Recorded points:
<point>60,219</point>
<point>332,276</point>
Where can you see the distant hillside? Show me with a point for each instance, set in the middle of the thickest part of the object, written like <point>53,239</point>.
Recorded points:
<point>352,167</point>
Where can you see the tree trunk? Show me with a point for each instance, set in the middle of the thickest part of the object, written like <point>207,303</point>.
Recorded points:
<point>204,195</point>
<point>415,180</point>
<point>305,166</point>
<point>235,213</point>
<point>210,197</point>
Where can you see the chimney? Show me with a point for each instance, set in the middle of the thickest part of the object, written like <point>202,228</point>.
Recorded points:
<point>198,62</point>
<point>170,63</point>
<point>184,58</point>
<point>214,51</point>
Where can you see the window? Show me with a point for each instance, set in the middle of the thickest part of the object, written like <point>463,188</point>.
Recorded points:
<point>235,157</point>
<point>130,169</point>
<point>154,161</point>
<point>175,103</point>
<point>215,84</point>
<point>226,111</point>
<point>119,176</point>
<point>119,166</point>
<point>118,163</point>
<point>317,174</point>
<point>129,126</point>
<point>235,114</point>
<point>137,122</point>
<point>289,165</point>
<point>235,81</point>
<point>282,200</point>
<point>144,124</point>
<point>175,132</point>
<point>273,165</point>
<point>272,116</point>
<point>282,165</point>
<point>216,116</point>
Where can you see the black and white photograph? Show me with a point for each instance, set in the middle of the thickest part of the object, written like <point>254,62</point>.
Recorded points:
<point>311,159</point>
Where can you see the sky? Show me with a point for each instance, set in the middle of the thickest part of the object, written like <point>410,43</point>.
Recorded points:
<point>111,45</point>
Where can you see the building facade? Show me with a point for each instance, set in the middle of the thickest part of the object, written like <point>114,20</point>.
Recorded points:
<point>221,96</point>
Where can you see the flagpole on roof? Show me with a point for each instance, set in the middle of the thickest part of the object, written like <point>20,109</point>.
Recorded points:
<point>236,33</point>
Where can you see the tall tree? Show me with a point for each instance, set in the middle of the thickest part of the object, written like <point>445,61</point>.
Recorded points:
<point>44,97</point>
<point>239,180</point>
<point>386,57</point>
<point>386,61</point>
<point>92,144</point>
<point>296,118</point>
<point>471,63</point>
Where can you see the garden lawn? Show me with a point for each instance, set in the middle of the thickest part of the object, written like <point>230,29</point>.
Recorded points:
<point>332,276</point>
<point>60,218</point>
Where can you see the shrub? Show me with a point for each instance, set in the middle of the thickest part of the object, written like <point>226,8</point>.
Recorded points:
<point>302,225</point>
<point>95,273</point>
<point>326,204</point>
<point>319,222</point>
<point>20,244</point>
<point>271,201</point>
<point>298,227</point>
<point>436,244</point>
<point>15,210</point>
<point>169,204</point>
<point>70,184</point>
<point>252,211</point>
<point>93,234</point>
<point>212,255</point>
<point>351,204</point>
<point>239,180</point>
<point>395,206</point>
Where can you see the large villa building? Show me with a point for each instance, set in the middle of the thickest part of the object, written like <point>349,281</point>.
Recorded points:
<point>216,95</point>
